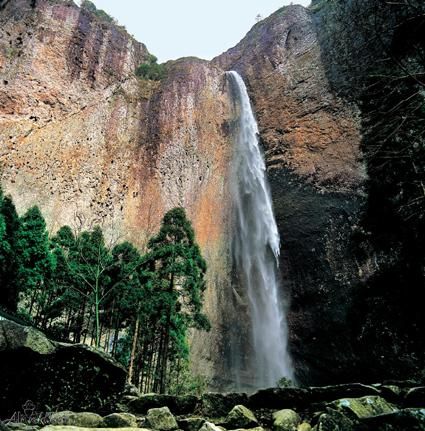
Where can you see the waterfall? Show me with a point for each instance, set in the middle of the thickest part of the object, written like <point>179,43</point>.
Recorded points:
<point>255,247</point>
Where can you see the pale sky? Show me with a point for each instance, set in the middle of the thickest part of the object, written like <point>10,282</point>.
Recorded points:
<point>179,28</point>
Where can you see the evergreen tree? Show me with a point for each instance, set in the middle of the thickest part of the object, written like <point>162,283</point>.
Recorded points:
<point>180,271</point>
<point>35,263</point>
<point>8,267</point>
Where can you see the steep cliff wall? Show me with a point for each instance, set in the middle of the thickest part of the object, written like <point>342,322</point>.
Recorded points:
<point>90,143</point>
<point>311,139</point>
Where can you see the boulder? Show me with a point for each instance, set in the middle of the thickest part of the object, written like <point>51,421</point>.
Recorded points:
<point>286,420</point>
<point>241,417</point>
<point>73,428</point>
<point>83,419</point>
<point>59,375</point>
<point>214,404</point>
<point>179,405</point>
<point>161,419</point>
<point>406,419</point>
<point>334,392</point>
<point>208,426</point>
<point>362,407</point>
<point>18,426</point>
<point>191,424</point>
<point>415,397</point>
<point>120,420</point>
<point>334,420</point>
<point>247,429</point>
<point>304,427</point>
<point>278,398</point>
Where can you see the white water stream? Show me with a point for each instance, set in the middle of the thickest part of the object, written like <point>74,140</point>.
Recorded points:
<point>256,246</point>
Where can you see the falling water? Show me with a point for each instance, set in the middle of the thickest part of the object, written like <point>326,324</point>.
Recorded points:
<point>256,245</point>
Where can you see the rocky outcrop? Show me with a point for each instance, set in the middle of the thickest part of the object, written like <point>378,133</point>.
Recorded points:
<point>56,376</point>
<point>317,411</point>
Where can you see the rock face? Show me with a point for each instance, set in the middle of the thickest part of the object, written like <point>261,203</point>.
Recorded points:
<point>90,143</point>
<point>311,140</point>
<point>57,375</point>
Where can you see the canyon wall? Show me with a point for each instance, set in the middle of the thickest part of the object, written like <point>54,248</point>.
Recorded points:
<point>90,143</point>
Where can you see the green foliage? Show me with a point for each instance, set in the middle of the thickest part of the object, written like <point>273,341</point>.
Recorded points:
<point>179,284</point>
<point>9,223</point>
<point>183,382</point>
<point>150,69</point>
<point>284,382</point>
<point>101,14</point>
<point>137,307</point>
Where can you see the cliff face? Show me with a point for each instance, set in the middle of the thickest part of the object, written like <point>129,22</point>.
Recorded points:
<point>90,143</point>
<point>311,140</point>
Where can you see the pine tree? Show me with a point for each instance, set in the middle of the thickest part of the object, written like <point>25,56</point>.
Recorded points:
<point>180,271</point>
<point>35,263</point>
<point>8,266</point>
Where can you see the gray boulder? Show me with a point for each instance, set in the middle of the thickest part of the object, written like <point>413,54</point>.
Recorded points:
<point>161,419</point>
<point>286,420</point>
<point>241,417</point>
<point>363,407</point>
<point>83,419</point>
<point>120,420</point>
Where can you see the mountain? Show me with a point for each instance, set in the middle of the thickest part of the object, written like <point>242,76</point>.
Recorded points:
<point>91,143</point>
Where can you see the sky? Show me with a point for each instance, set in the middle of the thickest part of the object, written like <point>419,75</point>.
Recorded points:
<point>179,28</point>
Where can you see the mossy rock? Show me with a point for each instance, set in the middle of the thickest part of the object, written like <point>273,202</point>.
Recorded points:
<point>334,420</point>
<point>161,419</point>
<point>286,420</point>
<point>83,419</point>
<point>120,420</point>
<point>241,417</point>
<point>406,419</point>
<point>191,424</point>
<point>304,427</point>
<point>363,407</point>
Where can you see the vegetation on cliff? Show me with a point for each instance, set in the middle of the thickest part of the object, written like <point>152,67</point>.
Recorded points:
<point>150,69</point>
<point>78,288</point>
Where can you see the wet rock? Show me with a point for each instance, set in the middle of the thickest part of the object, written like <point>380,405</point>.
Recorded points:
<point>74,428</point>
<point>241,417</point>
<point>335,421</point>
<point>178,405</point>
<point>191,424</point>
<point>407,419</point>
<point>415,397</point>
<point>286,420</point>
<point>19,426</point>
<point>209,426</point>
<point>362,407</point>
<point>161,419</point>
<point>216,405</point>
<point>120,420</point>
<point>275,398</point>
<point>330,393</point>
<point>83,419</point>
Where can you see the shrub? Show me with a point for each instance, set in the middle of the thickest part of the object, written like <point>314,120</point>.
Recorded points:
<point>150,69</point>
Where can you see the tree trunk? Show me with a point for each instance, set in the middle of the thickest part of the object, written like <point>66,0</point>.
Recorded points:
<point>133,349</point>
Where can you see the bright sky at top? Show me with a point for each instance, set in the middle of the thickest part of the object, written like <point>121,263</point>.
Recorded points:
<point>178,28</point>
